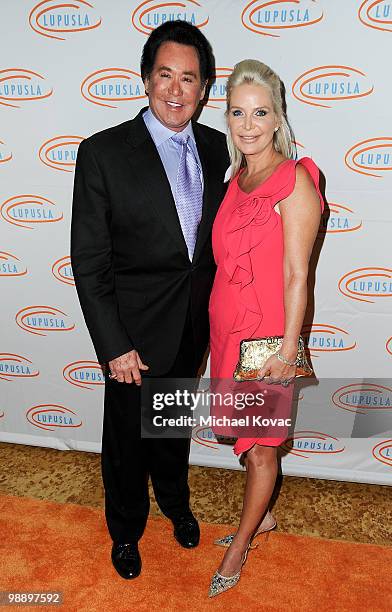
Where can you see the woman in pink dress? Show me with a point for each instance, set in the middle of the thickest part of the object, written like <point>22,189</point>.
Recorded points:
<point>263,238</point>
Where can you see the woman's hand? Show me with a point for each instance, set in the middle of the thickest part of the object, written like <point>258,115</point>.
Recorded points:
<point>276,372</point>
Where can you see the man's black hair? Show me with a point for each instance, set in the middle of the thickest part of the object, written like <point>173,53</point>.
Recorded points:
<point>183,33</point>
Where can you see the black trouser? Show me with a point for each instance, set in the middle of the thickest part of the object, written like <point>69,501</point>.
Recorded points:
<point>127,460</point>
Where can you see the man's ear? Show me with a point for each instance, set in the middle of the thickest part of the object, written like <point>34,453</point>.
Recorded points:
<point>146,84</point>
<point>203,91</point>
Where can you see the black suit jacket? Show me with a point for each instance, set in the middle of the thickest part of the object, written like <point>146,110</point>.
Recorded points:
<point>130,262</point>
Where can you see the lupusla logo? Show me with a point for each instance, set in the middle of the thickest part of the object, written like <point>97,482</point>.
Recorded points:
<point>114,85</point>
<point>376,14</point>
<point>363,398</point>
<point>18,85</point>
<point>52,18</point>
<point>205,437</point>
<point>152,13</point>
<point>52,416</point>
<point>16,366</point>
<point>84,374</point>
<point>217,94</point>
<point>307,443</point>
<point>273,17</point>
<point>388,345</point>
<point>325,85</point>
<point>10,265</point>
<point>62,270</point>
<point>321,338</point>
<point>370,156</point>
<point>5,153</point>
<point>383,452</point>
<point>30,210</point>
<point>42,320</point>
<point>338,219</point>
<point>367,284</point>
<point>60,152</point>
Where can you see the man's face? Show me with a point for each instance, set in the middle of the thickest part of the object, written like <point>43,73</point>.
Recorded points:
<point>174,87</point>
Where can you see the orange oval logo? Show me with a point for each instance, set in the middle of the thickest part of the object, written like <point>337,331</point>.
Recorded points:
<point>217,94</point>
<point>267,17</point>
<point>84,374</point>
<point>62,270</point>
<point>55,19</point>
<point>28,210</point>
<point>60,152</point>
<point>383,452</point>
<point>365,284</point>
<point>16,366</point>
<point>151,13</point>
<point>325,85</point>
<point>307,443</point>
<point>388,345</point>
<point>370,156</point>
<point>5,153</point>
<point>321,338</point>
<point>52,416</point>
<point>112,85</point>
<point>205,437</point>
<point>338,219</point>
<point>42,320</point>
<point>363,398</point>
<point>376,14</point>
<point>10,265</point>
<point>18,85</point>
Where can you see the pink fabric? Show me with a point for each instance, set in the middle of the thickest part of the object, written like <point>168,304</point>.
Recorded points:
<point>247,298</point>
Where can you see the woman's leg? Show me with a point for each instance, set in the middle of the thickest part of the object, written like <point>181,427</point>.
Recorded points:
<point>261,469</point>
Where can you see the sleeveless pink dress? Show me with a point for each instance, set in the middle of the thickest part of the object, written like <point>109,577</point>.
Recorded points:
<point>247,298</point>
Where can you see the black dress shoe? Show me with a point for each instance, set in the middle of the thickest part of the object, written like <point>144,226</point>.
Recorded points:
<point>126,560</point>
<point>186,531</point>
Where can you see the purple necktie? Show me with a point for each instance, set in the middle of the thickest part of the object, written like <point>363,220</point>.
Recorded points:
<point>189,196</point>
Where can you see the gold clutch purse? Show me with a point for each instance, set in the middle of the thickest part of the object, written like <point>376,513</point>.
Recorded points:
<point>255,352</point>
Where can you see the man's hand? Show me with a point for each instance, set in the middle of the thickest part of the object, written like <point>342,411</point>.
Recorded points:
<point>126,368</point>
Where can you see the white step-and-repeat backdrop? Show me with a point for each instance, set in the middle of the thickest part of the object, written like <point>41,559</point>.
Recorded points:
<point>71,69</point>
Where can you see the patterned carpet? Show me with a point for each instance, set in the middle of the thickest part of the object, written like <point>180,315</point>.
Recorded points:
<point>304,506</point>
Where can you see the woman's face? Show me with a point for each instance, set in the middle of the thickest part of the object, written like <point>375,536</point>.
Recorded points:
<point>251,118</point>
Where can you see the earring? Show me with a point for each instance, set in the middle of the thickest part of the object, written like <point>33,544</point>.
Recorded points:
<point>276,129</point>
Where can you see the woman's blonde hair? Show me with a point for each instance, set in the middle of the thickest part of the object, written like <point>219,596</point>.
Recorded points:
<point>255,72</point>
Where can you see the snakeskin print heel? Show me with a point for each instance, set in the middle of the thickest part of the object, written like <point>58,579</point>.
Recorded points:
<point>219,584</point>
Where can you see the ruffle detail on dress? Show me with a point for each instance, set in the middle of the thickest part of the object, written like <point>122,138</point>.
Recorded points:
<point>248,225</point>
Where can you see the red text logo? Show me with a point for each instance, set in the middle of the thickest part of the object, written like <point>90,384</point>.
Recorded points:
<point>383,452</point>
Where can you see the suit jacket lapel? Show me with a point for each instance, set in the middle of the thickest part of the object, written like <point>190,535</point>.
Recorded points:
<point>147,165</point>
<point>212,190</point>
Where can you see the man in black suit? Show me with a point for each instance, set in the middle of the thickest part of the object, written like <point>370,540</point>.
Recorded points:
<point>143,266</point>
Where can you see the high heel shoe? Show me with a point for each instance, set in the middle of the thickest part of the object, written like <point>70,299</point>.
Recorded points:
<point>220,584</point>
<point>227,540</point>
